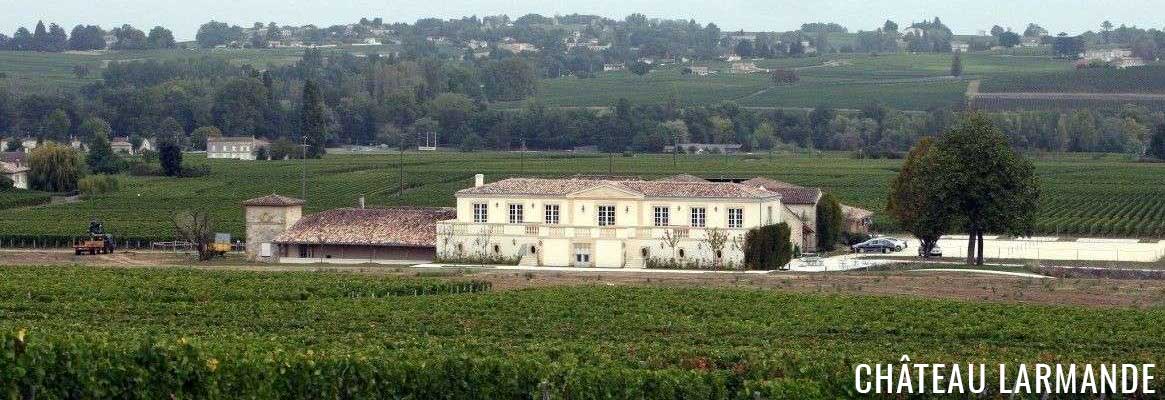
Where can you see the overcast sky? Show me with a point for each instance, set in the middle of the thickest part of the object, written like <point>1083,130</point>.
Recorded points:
<point>965,17</point>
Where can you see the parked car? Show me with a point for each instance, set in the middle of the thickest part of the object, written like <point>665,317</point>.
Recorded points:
<point>877,245</point>
<point>901,244</point>
<point>934,252</point>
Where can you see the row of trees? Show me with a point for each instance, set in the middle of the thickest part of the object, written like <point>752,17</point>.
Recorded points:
<point>86,37</point>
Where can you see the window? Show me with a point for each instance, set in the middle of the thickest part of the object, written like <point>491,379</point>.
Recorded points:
<point>735,217</point>
<point>606,215</point>
<point>552,213</point>
<point>699,215</point>
<point>770,214</point>
<point>661,216</point>
<point>516,214</point>
<point>480,213</point>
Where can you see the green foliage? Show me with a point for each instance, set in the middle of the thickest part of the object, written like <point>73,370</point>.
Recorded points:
<point>639,68</point>
<point>957,64</point>
<point>982,181</point>
<point>54,168</point>
<point>911,202</point>
<point>768,247</point>
<point>93,185</point>
<point>313,124</point>
<point>199,135</point>
<point>510,79</point>
<point>101,159</point>
<point>6,183</point>
<point>170,157</point>
<point>830,222</point>
<point>1156,147</point>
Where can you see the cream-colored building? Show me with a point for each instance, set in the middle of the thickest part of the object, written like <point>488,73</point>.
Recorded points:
<point>239,148</point>
<point>267,217</point>
<point>611,223</point>
<point>15,172</point>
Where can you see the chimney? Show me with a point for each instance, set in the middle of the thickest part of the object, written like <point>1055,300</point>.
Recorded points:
<point>361,201</point>
<point>478,180</point>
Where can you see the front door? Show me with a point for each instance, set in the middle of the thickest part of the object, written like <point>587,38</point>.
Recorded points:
<point>582,255</point>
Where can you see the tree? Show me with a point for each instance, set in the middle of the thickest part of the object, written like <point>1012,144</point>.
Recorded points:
<point>199,135</point>
<point>312,123</point>
<point>783,76</point>
<point>57,126</point>
<point>830,222</point>
<point>170,156</point>
<point>1157,143</point>
<point>197,227</point>
<point>21,40</point>
<point>93,126</point>
<point>241,107</point>
<point>1068,46</point>
<point>997,30</point>
<point>160,38</point>
<point>101,159</point>
<point>39,37</point>
<point>129,38</point>
<point>56,40</point>
<point>911,203</point>
<point>216,33</point>
<point>510,79</point>
<point>890,26</point>
<point>1034,30</point>
<point>768,247</point>
<point>54,168</point>
<point>1009,39</point>
<point>87,37</point>
<point>957,64</point>
<point>989,187</point>
<point>640,68</point>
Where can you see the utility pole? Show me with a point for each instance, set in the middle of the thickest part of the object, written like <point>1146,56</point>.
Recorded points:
<point>303,180</point>
<point>401,164</point>
<point>610,163</point>
<point>675,148</point>
<point>522,157</point>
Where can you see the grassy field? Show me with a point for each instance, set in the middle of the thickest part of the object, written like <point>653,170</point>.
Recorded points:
<point>1083,194</point>
<point>238,332</point>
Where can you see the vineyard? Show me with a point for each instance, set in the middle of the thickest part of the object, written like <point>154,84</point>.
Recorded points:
<point>1145,79</point>
<point>1064,102</point>
<point>1084,195</point>
<point>200,334</point>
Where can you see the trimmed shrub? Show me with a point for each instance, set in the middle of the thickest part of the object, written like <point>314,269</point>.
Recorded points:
<point>768,247</point>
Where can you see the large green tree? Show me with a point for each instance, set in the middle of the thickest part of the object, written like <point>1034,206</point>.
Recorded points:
<point>55,168</point>
<point>101,159</point>
<point>510,79</point>
<point>988,186</point>
<point>911,202</point>
<point>313,124</point>
<point>830,222</point>
<point>1157,143</point>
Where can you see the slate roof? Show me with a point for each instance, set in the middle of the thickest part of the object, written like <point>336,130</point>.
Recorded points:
<point>852,212</point>
<point>790,193</point>
<point>273,200</point>
<point>397,226</point>
<point>563,187</point>
<point>218,139</point>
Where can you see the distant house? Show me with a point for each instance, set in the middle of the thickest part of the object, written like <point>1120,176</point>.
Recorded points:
<point>698,148</point>
<point>731,58</point>
<point>78,145</point>
<point>1107,55</point>
<point>518,47</point>
<point>700,71</point>
<point>121,145</point>
<point>1128,62</point>
<point>614,67</point>
<point>236,147</point>
<point>18,174</point>
<point>26,144</point>
<point>745,68</point>
<point>961,47</point>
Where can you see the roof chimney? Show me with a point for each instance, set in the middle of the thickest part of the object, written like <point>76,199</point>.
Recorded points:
<point>478,180</point>
<point>361,201</point>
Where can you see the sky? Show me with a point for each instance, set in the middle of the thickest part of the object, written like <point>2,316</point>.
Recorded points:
<point>964,17</point>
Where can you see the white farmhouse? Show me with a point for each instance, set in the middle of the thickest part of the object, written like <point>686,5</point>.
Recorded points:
<point>612,222</point>
<point>236,147</point>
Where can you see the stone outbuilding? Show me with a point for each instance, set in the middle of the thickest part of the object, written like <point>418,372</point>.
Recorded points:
<point>267,217</point>
<point>361,235</point>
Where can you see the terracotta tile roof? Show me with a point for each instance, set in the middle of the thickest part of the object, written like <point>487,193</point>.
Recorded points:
<point>852,212</point>
<point>790,193</point>
<point>682,178</point>
<point>606,177</point>
<point>563,187</point>
<point>273,200</point>
<point>217,139</point>
<point>397,226</point>
<point>11,168</point>
<point>14,157</point>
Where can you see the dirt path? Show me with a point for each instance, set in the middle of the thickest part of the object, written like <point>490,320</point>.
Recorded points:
<point>958,285</point>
